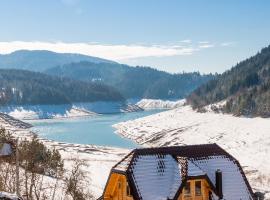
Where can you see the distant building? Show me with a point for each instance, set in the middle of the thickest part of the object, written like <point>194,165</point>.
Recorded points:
<point>6,149</point>
<point>196,172</point>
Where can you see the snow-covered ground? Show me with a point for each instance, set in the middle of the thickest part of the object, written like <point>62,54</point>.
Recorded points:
<point>5,195</point>
<point>247,139</point>
<point>75,112</point>
<point>159,104</point>
<point>98,159</point>
<point>20,113</point>
<point>24,114</point>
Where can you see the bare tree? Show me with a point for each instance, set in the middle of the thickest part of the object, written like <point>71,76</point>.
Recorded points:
<point>35,162</point>
<point>74,182</point>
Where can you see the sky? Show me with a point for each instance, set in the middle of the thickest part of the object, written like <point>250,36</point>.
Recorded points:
<point>170,35</point>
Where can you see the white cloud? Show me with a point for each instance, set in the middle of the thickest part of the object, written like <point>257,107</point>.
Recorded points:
<point>116,52</point>
<point>113,52</point>
<point>226,44</point>
<point>185,41</point>
<point>206,45</point>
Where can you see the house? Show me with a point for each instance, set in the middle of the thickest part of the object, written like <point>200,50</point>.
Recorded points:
<point>6,149</point>
<point>196,172</point>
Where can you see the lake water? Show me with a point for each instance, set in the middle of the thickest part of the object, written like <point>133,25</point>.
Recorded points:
<point>96,130</point>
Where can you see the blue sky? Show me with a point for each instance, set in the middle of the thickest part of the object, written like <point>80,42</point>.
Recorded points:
<point>171,35</point>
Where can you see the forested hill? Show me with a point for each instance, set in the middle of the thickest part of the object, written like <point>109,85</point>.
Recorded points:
<point>22,87</point>
<point>133,82</point>
<point>246,87</point>
<point>39,60</point>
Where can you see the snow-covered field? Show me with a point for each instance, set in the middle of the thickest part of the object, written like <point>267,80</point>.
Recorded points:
<point>247,139</point>
<point>159,104</point>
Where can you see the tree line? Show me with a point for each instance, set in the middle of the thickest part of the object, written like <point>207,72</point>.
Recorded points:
<point>20,87</point>
<point>246,88</point>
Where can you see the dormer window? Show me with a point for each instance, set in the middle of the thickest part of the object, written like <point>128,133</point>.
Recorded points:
<point>198,188</point>
<point>195,189</point>
<point>187,190</point>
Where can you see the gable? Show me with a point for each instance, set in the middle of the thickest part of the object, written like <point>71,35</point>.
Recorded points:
<point>233,184</point>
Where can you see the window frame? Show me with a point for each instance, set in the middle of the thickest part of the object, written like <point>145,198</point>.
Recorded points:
<point>188,183</point>
<point>128,190</point>
<point>200,192</point>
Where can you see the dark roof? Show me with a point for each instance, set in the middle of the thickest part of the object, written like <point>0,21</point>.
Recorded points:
<point>189,153</point>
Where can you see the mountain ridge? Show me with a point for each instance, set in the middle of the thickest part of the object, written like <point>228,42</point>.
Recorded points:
<point>245,87</point>
<point>40,60</point>
<point>133,82</point>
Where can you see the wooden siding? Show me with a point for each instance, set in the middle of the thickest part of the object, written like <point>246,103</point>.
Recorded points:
<point>205,189</point>
<point>116,188</point>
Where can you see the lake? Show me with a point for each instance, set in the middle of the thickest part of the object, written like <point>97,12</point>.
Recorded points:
<point>95,130</point>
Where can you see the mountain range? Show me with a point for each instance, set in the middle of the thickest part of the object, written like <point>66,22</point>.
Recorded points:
<point>133,82</point>
<point>40,60</point>
<point>66,78</point>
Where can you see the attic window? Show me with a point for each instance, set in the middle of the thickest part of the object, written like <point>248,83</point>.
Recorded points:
<point>119,185</point>
<point>198,188</point>
<point>187,190</point>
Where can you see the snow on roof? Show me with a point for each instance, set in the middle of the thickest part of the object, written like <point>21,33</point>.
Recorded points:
<point>5,149</point>
<point>124,163</point>
<point>158,173</point>
<point>194,170</point>
<point>233,184</point>
<point>156,176</point>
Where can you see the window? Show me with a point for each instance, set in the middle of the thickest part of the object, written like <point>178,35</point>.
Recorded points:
<point>198,188</point>
<point>128,190</point>
<point>119,185</point>
<point>187,190</point>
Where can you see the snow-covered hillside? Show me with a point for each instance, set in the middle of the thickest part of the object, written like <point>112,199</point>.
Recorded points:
<point>159,104</point>
<point>247,139</point>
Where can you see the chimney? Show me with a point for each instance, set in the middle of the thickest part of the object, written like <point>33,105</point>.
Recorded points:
<point>219,183</point>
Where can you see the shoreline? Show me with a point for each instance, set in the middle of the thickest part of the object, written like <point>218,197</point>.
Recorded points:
<point>99,159</point>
